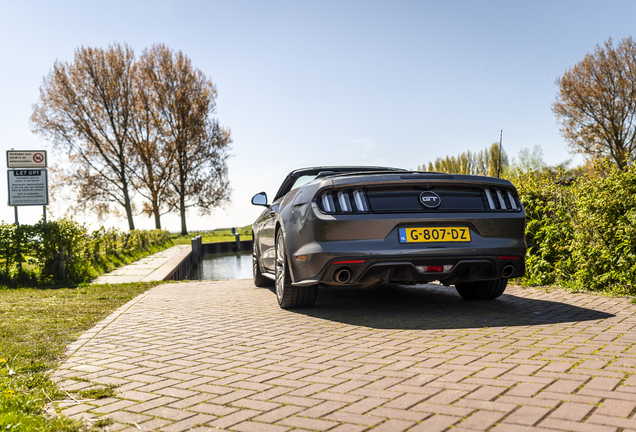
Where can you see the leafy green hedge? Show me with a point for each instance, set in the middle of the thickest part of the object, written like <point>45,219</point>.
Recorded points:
<point>65,250</point>
<point>581,235</point>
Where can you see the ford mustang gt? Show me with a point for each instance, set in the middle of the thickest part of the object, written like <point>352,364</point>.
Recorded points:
<point>360,226</point>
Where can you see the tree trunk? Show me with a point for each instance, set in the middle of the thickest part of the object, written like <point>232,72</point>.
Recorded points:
<point>157,218</point>
<point>182,210</point>
<point>128,206</point>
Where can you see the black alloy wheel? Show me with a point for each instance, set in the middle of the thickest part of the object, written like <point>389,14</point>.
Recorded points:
<point>482,290</point>
<point>290,296</point>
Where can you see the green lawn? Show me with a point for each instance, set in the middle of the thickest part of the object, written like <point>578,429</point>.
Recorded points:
<point>35,327</point>
<point>216,236</point>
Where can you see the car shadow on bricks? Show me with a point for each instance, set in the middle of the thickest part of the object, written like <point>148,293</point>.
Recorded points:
<point>437,307</point>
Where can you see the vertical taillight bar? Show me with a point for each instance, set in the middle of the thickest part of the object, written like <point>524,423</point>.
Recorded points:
<point>360,200</point>
<point>513,204</point>
<point>491,202</point>
<point>328,204</point>
<point>345,203</point>
<point>501,200</point>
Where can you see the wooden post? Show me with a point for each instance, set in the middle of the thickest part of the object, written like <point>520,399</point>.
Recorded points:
<point>62,263</point>
<point>195,252</point>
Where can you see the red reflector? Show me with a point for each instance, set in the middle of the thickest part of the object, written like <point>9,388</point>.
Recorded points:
<point>434,269</point>
<point>349,262</point>
<point>508,257</point>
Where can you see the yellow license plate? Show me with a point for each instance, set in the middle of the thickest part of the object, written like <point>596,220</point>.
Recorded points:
<point>434,234</point>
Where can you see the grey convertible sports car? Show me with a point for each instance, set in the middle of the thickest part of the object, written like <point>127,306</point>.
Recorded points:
<point>359,226</point>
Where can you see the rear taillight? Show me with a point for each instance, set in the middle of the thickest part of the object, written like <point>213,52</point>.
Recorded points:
<point>344,201</point>
<point>500,199</point>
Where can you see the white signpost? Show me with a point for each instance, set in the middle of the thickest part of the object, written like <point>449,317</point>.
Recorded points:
<point>26,159</point>
<point>27,179</point>
<point>28,187</point>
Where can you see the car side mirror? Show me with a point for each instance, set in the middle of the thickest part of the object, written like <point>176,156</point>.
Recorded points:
<point>260,199</point>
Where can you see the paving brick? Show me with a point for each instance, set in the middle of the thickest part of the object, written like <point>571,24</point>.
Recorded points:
<point>324,408</point>
<point>188,423</point>
<point>308,423</point>
<point>567,425</point>
<point>480,420</point>
<point>137,395</point>
<point>393,425</point>
<point>525,389</point>
<point>486,393</point>
<point>600,383</point>
<point>169,413</point>
<point>127,417</point>
<point>436,423</point>
<point>250,426</point>
<point>150,425</point>
<point>234,418</point>
<point>116,406</point>
<point>616,408</point>
<point>344,428</point>
<point>278,414</point>
<point>154,403</point>
<point>76,408</point>
<point>605,420</point>
<point>572,411</point>
<point>364,405</point>
<point>527,415</point>
<point>347,417</point>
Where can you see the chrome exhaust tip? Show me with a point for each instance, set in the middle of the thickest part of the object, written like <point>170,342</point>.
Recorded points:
<point>342,275</point>
<point>507,271</point>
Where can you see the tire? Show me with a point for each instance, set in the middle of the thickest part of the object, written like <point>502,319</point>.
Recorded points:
<point>290,296</point>
<point>482,290</point>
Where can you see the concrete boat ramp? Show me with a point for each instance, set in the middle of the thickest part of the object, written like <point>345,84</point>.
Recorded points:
<point>155,267</point>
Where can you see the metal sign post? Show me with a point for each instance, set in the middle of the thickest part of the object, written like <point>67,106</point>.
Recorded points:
<point>27,179</point>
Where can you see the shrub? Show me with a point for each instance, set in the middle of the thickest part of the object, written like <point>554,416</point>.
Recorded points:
<point>581,235</point>
<point>64,250</point>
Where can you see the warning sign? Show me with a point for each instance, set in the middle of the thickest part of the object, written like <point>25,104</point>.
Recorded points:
<point>28,187</point>
<point>26,159</point>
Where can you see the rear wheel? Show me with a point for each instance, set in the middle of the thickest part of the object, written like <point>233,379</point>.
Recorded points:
<point>482,290</point>
<point>290,296</point>
<point>259,280</point>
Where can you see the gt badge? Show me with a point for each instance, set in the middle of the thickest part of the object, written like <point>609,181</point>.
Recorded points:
<point>430,199</point>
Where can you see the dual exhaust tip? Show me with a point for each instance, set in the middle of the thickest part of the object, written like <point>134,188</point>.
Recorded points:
<point>342,275</point>
<point>507,271</point>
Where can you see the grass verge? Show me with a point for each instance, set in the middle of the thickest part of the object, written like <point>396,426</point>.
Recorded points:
<point>216,236</point>
<point>35,327</point>
<point>111,262</point>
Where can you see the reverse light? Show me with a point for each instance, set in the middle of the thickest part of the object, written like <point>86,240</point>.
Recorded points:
<point>435,268</point>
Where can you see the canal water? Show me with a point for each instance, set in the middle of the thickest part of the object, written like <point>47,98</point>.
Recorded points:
<point>231,265</point>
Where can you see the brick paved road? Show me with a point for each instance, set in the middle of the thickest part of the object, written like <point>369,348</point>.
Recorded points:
<point>200,356</point>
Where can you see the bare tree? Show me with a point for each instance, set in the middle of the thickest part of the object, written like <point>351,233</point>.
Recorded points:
<point>85,108</point>
<point>596,103</point>
<point>154,156</point>
<point>185,98</point>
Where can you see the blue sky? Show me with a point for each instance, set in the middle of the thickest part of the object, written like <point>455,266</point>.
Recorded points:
<point>307,83</point>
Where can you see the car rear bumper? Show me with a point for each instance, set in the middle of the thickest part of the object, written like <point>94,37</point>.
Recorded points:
<point>448,269</point>
<point>375,239</point>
